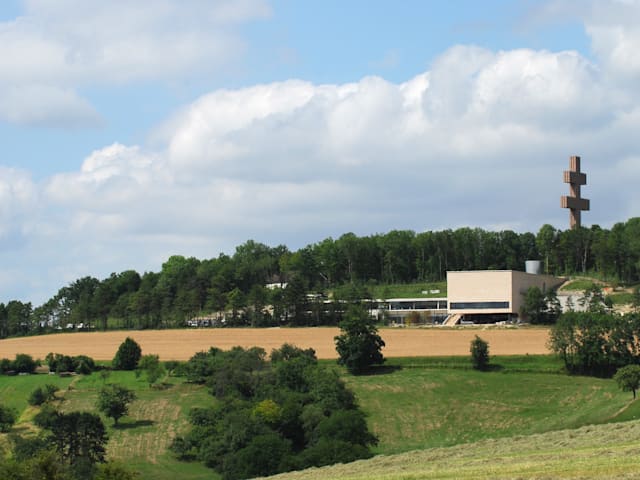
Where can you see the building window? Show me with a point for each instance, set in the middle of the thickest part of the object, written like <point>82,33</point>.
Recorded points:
<point>477,305</point>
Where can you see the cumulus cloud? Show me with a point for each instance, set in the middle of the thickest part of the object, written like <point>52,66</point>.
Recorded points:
<point>57,47</point>
<point>297,160</point>
<point>42,105</point>
<point>479,139</point>
<point>614,28</point>
<point>18,202</point>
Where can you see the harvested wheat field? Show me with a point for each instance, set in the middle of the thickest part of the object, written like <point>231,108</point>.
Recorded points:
<point>182,344</point>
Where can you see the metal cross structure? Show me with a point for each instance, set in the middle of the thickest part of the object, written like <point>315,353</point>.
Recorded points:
<point>574,202</point>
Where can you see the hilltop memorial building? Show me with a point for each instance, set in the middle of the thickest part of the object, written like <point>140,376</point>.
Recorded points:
<point>483,296</point>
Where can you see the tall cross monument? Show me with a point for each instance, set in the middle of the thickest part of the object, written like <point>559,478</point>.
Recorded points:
<point>574,202</point>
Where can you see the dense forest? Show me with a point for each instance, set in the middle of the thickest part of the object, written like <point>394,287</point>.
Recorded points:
<point>336,269</point>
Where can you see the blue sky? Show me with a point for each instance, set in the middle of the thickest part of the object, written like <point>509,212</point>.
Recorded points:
<point>132,131</point>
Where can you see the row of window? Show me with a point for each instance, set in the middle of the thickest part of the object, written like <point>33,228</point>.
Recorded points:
<point>477,305</point>
<point>426,305</point>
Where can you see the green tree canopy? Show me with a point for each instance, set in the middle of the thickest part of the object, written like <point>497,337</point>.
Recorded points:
<point>479,353</point>
<point>128,355</point>
<point>151,366</point>
<point>7,418</point>
<point>114,400</point>
<point>628,378</point>
<point>79,437</point>
<point>359,345</point>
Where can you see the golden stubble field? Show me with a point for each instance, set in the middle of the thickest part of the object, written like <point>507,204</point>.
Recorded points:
<point>182,344</point>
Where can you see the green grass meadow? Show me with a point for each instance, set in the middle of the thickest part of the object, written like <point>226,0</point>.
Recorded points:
<point>142,438</point>
<point>449,403</point>
<point>451,417</point>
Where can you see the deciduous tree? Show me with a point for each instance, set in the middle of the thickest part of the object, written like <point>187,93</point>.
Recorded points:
<point>128,355</point>
<point>7,418</point>
<point>628,378</point>
<point>114,400</point>
<point>151,366</point>
<point>359,345</point>
<point>479,353</point>
<point>79,437</point>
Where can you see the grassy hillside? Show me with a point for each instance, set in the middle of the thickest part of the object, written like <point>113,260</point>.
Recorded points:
<point>433,402</point>
<point>489,420</point>
<point>413,403</point>
<point>604,451</point>
<point>142,438</point>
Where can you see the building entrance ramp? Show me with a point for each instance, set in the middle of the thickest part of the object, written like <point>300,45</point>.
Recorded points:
<point>451,320</point>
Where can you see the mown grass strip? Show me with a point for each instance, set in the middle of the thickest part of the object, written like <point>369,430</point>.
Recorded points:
<point>604,451</point>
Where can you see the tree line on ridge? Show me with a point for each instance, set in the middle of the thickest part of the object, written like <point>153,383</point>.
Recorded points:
<point>346,267</point>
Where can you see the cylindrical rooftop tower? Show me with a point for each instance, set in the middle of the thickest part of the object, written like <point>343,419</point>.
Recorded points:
<point>533,266</point>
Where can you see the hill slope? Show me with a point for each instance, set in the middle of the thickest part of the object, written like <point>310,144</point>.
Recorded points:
<point>602,451</point>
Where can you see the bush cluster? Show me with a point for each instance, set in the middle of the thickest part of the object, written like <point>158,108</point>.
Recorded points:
<point>23,363</point>
<point>271,416</point>
<point>593,343</point>
<point>64,363</point>
<point>43,394</point>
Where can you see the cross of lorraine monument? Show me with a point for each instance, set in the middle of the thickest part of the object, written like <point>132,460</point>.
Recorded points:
<point>574,202</point>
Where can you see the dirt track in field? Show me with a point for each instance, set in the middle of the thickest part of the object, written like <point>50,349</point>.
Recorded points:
<point>182,344</point>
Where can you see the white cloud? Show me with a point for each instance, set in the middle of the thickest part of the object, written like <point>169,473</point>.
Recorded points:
<point>18,204</point>
<point>42,105</point>
<point>480,139</point>
<point>614,28</point>
<point>57,47</point>
<point>275,160</point>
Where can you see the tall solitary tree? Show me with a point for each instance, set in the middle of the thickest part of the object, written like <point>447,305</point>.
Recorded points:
<point>628,378</point>
<point>359,345</point>
<point>128,355</point>
<point>479,353</point>
<point>114,400</point>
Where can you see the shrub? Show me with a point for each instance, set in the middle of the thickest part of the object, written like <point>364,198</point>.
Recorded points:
<point>6,365</point>
<point>128,355</point>
<point>151,366</point>
<point>58,362</point>
<point>479,353</point>
<point>7,418</point>
<point>83,364</point>
<point>24,363</point>
<point>46,417</point>
<point>43,394</point>
<point>25,448</point>
<point>37,397</point>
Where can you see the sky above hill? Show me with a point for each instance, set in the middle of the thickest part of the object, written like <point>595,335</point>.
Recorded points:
<point>132,131</point>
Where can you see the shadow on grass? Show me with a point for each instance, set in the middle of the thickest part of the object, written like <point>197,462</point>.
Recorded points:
<point>381,370</point>
<point>134,424</point>
<point>493,367</point>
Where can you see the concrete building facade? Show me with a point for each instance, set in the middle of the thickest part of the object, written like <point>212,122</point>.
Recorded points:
<point>492,295</point>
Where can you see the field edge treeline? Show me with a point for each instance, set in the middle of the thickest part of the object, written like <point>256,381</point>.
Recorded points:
<point>340,270</point>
